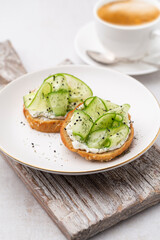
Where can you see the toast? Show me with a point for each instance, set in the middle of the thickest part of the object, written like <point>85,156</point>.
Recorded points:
<point>106,156</point>
<point>49,126</point>
<point>58,94</point>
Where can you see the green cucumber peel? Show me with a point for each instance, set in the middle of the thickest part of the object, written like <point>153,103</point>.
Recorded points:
<point>81,124</point>
<point>27,99</point>
<point>98,139</point>
<point>58,102</point>
<point>79,90</point>
<point>87,101</point>
<point>104,121</point>
<point>40,97</point>
<point>96,108</point>
<point>117,135</point>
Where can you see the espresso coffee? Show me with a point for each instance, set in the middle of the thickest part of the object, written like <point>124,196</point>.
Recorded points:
<point>128,12</point>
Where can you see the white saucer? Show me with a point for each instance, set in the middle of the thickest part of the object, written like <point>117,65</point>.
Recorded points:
<point>86,39</point>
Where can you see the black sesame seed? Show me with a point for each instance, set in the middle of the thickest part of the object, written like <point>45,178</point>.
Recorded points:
<point>54,150</point>
<point>65,129</point>
<point>74,123</point>
<point>102,137</point>
<point>77,120</point>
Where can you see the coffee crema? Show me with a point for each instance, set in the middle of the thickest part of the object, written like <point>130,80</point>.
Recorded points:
<point>128,12</point>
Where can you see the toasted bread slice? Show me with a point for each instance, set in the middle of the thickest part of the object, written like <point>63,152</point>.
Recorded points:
<point>49,126</point>
<point>106,156</point>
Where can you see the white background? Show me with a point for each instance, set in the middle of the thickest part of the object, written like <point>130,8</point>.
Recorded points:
<point>43,32</point>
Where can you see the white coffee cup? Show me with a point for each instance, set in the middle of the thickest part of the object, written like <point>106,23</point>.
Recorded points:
<point>126,41</point>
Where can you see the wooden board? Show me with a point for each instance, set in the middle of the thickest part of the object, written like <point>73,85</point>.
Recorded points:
<point>82,206</point>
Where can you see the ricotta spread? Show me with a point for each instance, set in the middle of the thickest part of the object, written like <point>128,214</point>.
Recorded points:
<point>45,115</point>
<point>78,145</point>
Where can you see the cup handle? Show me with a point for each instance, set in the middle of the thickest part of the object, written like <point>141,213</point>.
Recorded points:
<point>155,33</point>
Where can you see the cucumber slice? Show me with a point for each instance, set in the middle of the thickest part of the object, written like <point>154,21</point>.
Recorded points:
<point>123,111</point>
<point>87,101</point>
<point>81,125</point>
<point>58,102</point>
<point>109,105</point>
<point>117,135</point>
<point>58,82</point>
<point>104,121</point>
<point>95,109</point>
<point>115,124</point>
<point>27,99</point>
<point>39,102</point>
<point>79,91</point>
<point>72,105</point>
<point>98,139</point>
<point>119,117</point>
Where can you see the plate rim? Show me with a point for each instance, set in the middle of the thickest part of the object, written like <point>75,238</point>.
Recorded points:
<point>88,171</point>
<point>81,56</point>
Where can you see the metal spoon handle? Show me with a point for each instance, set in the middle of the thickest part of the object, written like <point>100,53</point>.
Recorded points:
<point>107,60</point>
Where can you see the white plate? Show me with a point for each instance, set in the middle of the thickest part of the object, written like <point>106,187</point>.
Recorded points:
<point>16,138</point>
<point>87,39</point>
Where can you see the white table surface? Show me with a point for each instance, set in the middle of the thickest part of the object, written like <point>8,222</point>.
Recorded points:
<point>43,31</point>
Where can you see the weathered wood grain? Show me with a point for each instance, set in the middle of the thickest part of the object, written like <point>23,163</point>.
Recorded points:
<point>11,66</point>
<point>82,206</point>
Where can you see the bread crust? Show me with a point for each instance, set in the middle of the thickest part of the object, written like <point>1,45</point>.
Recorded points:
<point>49,126</point>
<point>107,156</point>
